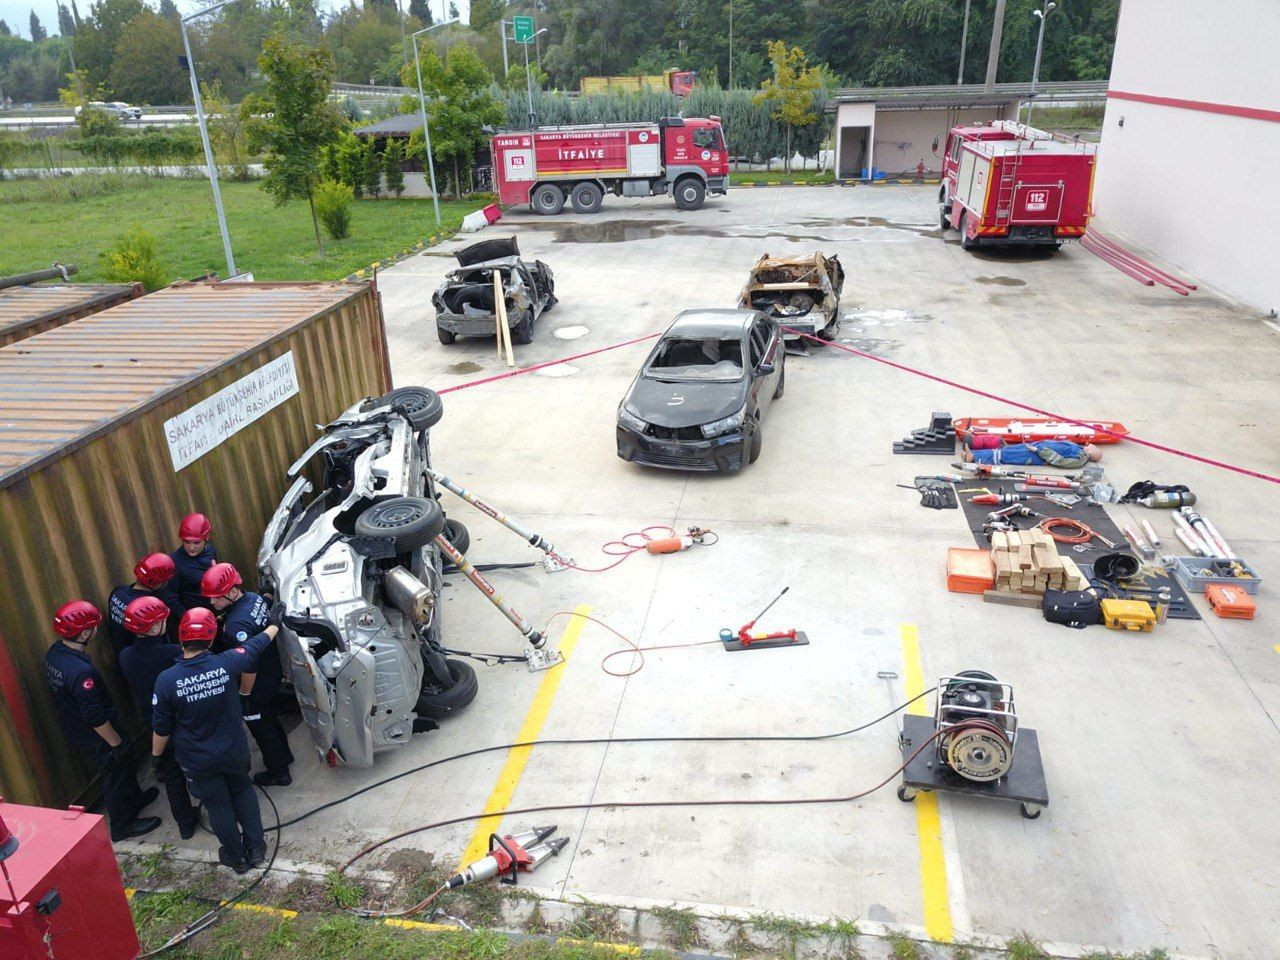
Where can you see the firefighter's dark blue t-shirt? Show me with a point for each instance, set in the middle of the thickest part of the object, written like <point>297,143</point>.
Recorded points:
<point>79,695</point>
<point>186,581</point>
<point>247,616</point>
<point>142,662</point>
<point>197,703</point>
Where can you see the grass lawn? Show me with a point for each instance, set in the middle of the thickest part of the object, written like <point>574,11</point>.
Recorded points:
<point>73,219</point>
<point>781,176</point>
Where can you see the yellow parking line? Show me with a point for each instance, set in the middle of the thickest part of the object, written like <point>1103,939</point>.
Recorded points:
<point>933,867</point>
<point>518,757</point>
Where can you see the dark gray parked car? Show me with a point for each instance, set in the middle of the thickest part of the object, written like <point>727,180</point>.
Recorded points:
<point>465,302</point>
<point>700,399</point>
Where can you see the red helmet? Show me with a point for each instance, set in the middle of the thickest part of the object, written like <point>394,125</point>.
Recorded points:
<point>143,613</point>
<point>154,570</point>
<point>198,625</point>
<point>72,619</point>
<point>195,526</point>
<point>218,580</point>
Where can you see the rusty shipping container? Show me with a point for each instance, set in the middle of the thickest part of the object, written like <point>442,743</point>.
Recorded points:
<point>105,444</point>
<point>28,310</point>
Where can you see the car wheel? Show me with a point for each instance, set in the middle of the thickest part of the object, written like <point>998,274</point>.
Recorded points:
<point>690,193</point>
<point>782,381</point>
<point>437,703</point>
<point>422,404</point>
<point>547,199</point>
<point>522,332</point>
<point>457,535</point>
<point>756,443</point>
<point>445,336</point>
<point>586,197</point>
<point>411,522</point>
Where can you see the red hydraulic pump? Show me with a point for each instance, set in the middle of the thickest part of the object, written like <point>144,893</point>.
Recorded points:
<point>61,895</point>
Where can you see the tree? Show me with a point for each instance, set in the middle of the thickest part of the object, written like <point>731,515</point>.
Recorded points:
<point>66,25</point>
<point>169,10</point>
<point>515,79</point>
<point>422,10</point>
<point>144,67</point>
<point>4,30</point>
<point>393,167</point>
<point>96,40</point>
<point>38,32</point>
<point>790,90</point>
<point>453,10</point>
<point>226,129</point>
<point>485,13</point>
<point>293,119</point>
<point>371,168</point>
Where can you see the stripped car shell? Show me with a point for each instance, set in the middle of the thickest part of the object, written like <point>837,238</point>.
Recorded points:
<point>360,632</point>
<point>465,302</point>
<point>802,293</point>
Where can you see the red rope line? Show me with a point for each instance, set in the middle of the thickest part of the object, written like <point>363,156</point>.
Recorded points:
<point>1185,454</point>
<point>542,366</point>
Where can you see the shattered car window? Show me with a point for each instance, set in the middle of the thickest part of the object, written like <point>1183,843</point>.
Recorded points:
<point>702,359</point>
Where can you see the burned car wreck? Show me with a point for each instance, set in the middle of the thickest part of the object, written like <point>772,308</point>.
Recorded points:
<point>466,304</point>
<point>802,293</point>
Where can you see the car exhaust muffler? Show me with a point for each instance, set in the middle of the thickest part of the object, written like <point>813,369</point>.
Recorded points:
<point>410,595</point>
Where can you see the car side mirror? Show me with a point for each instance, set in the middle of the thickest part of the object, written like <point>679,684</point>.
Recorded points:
<point>765,368</point>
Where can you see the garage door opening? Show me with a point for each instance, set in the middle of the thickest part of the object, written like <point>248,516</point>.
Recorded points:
<point>854,153</point>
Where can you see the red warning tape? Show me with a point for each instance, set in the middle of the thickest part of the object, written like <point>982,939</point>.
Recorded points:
<point>549,363</point>
<point>1044,413</point>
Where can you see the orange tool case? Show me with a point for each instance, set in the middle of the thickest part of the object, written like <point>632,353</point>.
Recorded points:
<point>1230,602</point>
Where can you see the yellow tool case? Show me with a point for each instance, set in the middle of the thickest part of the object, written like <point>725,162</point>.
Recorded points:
<point>1128,615</point>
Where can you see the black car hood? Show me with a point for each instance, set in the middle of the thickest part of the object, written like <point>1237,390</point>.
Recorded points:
<point>683,403</point>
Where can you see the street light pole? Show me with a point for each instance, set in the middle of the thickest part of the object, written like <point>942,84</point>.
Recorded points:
<point>506,64</point>
<point>964,40</point>
<point>422,105</point>
<point>204,136</point>
<point>1035,70</point>
<point>528,77</point>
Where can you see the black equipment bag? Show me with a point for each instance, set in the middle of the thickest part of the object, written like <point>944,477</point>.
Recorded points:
<point>1072,608</point>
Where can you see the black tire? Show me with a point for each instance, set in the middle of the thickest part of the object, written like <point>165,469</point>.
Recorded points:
<point>1026,815</point>
<point>422,404</point>
<point>435,703</point>
<point>586,197</point>
<point>457,535</point>
<point>755,443</point>
<point>902,795</point>
<point>965,242</point>
<point>411,522</point>
<point>445,336</point>
<point>689,193</point>
<point>944,218</point>
<point>547,199</point>
<point>942,195</point>
<point>522,332</point>
<point>782,381</point>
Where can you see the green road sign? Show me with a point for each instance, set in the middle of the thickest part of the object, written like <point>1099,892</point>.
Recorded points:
<point>523,29</point>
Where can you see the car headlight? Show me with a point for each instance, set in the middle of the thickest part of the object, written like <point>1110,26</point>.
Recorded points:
<point>727,425</point>
<point>629,419</point>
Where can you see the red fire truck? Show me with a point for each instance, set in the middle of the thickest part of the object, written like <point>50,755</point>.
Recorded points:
<point>549,165</point>
<point>1007,183</point>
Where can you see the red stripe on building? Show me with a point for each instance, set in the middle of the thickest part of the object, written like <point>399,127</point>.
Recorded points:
<point>1203,106</point>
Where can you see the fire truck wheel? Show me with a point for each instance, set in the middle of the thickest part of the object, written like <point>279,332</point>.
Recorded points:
<point>965,242</point>
<point>942,194</point>
<point>689,193</point>
<point>548,200</point>
<point>944,218</point>
<point>586,197</point>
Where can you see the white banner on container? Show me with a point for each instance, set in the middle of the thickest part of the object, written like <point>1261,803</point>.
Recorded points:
<point>198,429</point>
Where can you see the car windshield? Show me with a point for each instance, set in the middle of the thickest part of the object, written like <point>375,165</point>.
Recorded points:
<point>708,358</point>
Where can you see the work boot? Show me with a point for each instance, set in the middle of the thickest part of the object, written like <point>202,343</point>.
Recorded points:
<point>134,828</point>
<point>268,779</point>
<point>147,797</point>
<point>256,856</point>
<point>239,865</point>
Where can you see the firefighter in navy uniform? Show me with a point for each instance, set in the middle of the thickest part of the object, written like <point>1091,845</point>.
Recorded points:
<point>192,559</point>
<point>88,717</point>
<point>152,577</point>
<point>244,614</point>
<point>148,656</point>
<point>196,704</point>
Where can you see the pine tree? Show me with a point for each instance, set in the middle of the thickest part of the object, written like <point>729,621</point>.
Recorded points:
<point>422,10</point>
<point>38,32</point>
<point>169,10</point>
<point>4,30</point>
<point>66,25</point>
<point>393,167</point>
<point>371,169</point>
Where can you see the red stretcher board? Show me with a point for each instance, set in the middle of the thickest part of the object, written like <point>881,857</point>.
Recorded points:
<point>1028,429</point>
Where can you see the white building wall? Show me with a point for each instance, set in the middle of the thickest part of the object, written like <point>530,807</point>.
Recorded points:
<point>904,138</point>
<point>1191,181</point>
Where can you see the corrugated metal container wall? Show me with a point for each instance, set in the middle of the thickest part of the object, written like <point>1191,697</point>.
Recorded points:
<point>26,311</point>
<point>88,484</point>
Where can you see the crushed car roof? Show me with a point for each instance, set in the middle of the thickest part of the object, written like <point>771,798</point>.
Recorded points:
<point>710,323</point>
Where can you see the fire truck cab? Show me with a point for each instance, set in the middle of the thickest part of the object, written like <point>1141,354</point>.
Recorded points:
<point>1007,183</point>
<point>550,166</point>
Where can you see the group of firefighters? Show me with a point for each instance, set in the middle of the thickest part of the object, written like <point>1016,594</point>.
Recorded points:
<point>198,652</point>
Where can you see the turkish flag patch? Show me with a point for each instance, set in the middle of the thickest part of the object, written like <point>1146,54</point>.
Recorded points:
<point>88,683</point>
<point>241,650</point>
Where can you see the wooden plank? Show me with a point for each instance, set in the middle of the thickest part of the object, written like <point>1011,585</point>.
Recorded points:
<point>1011,599</point>
<point>500,315</point>
<point>1025,559</point>
<point>1000,540</point>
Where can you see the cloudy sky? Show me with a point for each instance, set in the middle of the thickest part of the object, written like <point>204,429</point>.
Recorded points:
<point>17,13</point>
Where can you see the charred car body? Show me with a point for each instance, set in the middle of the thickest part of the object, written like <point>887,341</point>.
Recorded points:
<point>699,400</point>
<point>800,292</point>
<point>465,302</point>
<point>358,571</point>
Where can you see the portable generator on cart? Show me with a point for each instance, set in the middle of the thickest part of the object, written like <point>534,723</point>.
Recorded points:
<point>979,749</point>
